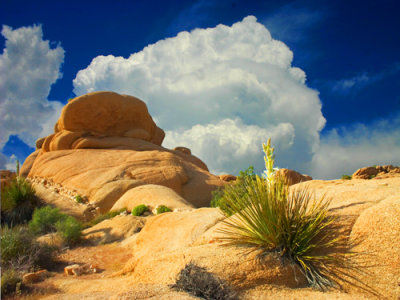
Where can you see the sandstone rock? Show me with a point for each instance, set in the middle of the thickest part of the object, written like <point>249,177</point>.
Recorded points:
<point>27,165</point>
<point>292,177</point>
<point>152,291</point>
<point>68,269</point>
<point>376,172</point>
<point>115,229</point>
<point>79,270</point>
<point>152,196</point>
<point>227,177</point>
<point>368,212</point>
<point>365,173</point>
<point>103,114</point>
<point>105,144</point>
<point>104,175</point>
<point>377,231</point>
<point>184,150</point>
<point>168,242</point>
<point>34,277</point>
<point>39,142</point>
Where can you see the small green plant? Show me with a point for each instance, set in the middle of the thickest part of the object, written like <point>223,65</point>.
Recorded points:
<point>78,199</point>
<point>293,223</point>
<point>18,201</point>
<point>102,217</point>
<point>162,209</point>
<point>10,279</point>
<point>139,210</point>
<point>346,177</point>
<point>69,229</point>
<point>199,282</point>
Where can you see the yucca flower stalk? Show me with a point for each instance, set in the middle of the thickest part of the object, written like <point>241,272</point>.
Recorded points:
<point>269,159</point>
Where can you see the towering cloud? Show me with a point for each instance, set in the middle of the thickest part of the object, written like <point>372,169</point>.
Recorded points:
<point>222,92</point>
<point>28,68</point>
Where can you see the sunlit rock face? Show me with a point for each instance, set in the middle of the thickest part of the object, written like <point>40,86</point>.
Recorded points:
<point>105,144</point>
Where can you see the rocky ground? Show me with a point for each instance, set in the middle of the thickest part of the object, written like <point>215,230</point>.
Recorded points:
<point>134,266</point>
<point>111,164</point>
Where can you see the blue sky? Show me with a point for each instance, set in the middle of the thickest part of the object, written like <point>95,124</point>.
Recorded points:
<point>322,81</point>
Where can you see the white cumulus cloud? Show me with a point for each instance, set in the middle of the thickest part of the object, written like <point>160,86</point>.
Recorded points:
<point>28,68</point>
<point>343,151</point>
<point>221,92</point>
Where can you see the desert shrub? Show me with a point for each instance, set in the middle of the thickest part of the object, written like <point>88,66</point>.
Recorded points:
<point>78,199</point>
<point>102,217</point>
<point>10,279</point>
<point>16,244</point>
<point>48,219</point>
<point>216,197</point>
<point>200,283</point>
<point>139,210</point>
<point>293,223</point>
<point>18,201</point>
<point>44,220</point>
<point>346,177</point>
<point>20,251</point>
<point>69,229</point>
<point>238,188</point>
<point>163,209</point>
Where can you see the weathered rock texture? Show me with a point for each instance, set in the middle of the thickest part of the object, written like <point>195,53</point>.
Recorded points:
<point>368,212</point>
<point>292,177</point>
<point>376,172</point>
<point>114,229</point>
<point>106,144</point>
<point>102,114</point>
<point>169,241</point>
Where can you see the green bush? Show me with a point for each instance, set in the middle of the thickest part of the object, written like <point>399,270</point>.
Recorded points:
<point>16,244</point>
<point>200,283</point>
<point>47,219</point>
<point>346,177</point>
<point>139,210</point>
<point>10,279</point>
<point>238,188</point>
<point>44,220</point>
<point>18,201</point>
<point>162,209</point>
<point>20,251</point>
<point>69,229</point>
<point>101,218</point>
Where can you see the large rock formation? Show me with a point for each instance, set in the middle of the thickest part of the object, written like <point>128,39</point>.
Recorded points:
<point>105,144</point>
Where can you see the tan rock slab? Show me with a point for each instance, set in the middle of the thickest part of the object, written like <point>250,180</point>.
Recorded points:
<point>115,229</point>
<point>151,195</point>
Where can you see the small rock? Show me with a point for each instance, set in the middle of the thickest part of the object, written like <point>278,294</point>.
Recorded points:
<point>78,270</point>
<point>227,177</point>
<point>184,150</point>
<point>34,277</point>
<point>69,269</point>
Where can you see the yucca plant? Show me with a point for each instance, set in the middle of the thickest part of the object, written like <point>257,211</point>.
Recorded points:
<point>18,201</point>
<point>271,218</point>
